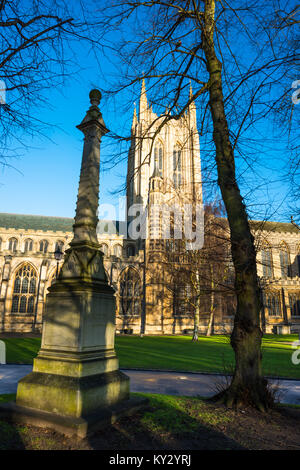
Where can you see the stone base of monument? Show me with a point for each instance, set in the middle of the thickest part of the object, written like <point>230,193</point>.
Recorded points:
<point>72,396</point>
<point>68,425</point>
<point>74,406</point>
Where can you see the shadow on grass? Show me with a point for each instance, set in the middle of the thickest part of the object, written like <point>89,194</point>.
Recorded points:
<point>10,438</point>
<point>169,422</point>
<point>9,434</point>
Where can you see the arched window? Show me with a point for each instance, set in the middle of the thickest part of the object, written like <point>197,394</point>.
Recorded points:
<point>44,246</point>
<point>284,261</point>
<point>118,251</point>
<point>294,301</point>
<point>158,156</point>
<point>104,249</point>
<point>130,250</point>
<point>28,245</point>
<point>59,245</point>
<point>266,259</point>
<point>130,292</point>
<point>24,291</point>
<point>183,300</point>
<point>12,244</point>
<point>177,167</point>
<point>271,303</point>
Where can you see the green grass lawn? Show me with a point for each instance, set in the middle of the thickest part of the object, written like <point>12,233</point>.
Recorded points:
<point>213,354</point>
<point>171,422</point>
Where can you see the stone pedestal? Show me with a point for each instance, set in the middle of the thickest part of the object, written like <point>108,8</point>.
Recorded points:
<point>76,371</point>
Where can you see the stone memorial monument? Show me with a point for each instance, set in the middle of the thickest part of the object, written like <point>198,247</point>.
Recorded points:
<point>76,385</point>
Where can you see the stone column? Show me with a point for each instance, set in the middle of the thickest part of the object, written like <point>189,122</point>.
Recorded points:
<point>76,384</point>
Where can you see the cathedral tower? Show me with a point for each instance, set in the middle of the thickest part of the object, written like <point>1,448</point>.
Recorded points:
<point>175,149</point>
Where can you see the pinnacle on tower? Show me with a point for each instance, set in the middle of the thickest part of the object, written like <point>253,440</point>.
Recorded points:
<point>191,90</point>
<point>192,108</point>
<point>134,119</point>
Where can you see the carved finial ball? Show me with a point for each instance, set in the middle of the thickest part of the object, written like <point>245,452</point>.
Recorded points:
<point>95,97</point>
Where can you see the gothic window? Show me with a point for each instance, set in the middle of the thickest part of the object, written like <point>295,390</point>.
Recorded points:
<point>24,290</point>
<point>44,246</point>
<point>118,251</point>
<point>130,293</point>
<point>266,258</point>
<point>271,303</point>
<point>284,261</point>
<point>294,301</point>
<point>28,245</point>
<point>12,244</point>
<point>183,300</point>
<point>130,250</point>
<point>177,167</point>
<point>104,249</point>
<point>158,156</point>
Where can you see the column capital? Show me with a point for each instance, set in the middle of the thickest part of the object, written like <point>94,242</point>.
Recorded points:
<point>93,118</point>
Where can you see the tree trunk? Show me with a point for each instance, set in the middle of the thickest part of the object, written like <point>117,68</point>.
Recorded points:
<point>197,307</point>
<point>196,319</point>
<point>247,386</point>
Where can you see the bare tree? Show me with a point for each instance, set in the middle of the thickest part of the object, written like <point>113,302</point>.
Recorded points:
<point>286,107</point>
<point>225,49</point>
<point>200,277</point>
<point>36,54</point>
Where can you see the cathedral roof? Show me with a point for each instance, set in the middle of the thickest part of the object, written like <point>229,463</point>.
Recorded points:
<point>267,225</point>
<point>65,224</point>
<point>48,223</point>
<point>271,226</point>
<point>36,222</point>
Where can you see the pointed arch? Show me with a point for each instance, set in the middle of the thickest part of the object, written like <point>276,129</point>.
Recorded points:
<point>104,248</point>
<point>28,245</point>
<point>44,244</point>
<point>12,244</point>
<point>284,255</point>
<point>267,260</point>
<point>130,290</point>
<point>159,156</point>
<point>272,303</point>
<point>24,294</point>
<point>294,304</point>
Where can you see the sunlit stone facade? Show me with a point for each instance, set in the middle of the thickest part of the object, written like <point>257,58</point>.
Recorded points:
<point>163,168</point>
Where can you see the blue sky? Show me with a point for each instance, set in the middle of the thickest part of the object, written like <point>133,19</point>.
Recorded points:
<point>44,178</point>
